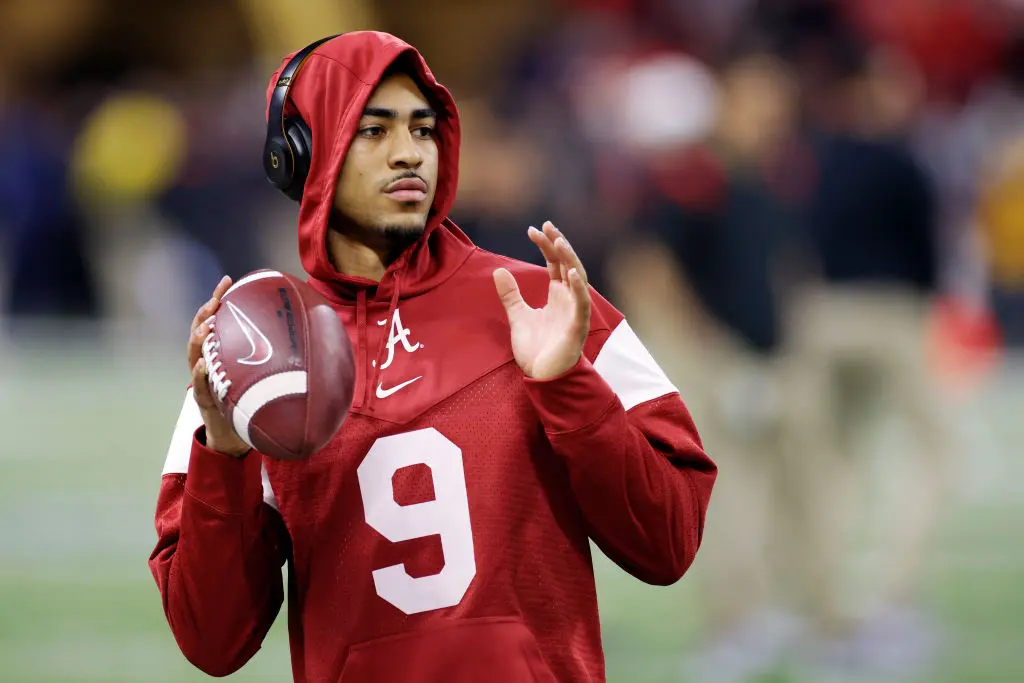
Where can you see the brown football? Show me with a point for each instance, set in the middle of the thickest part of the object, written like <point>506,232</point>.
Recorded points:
<point>280,365</point>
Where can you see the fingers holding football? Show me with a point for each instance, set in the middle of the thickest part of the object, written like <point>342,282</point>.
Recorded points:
<point>195,340</point>
<point>200,322</point>
<point>210,307</point>
<point>222,287</point>
<point>220,433</point>
<point>201,386</point>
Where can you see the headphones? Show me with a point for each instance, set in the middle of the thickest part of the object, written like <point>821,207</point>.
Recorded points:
<point>289,143</point>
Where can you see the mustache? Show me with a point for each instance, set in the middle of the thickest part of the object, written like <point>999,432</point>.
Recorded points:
<point>405,175</point>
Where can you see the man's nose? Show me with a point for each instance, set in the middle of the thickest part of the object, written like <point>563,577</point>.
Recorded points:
<point>404,151</point>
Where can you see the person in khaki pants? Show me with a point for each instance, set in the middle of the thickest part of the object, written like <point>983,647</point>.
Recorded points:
<point>735,392</point>
<point>857,355</point>
<point>702,288</point>
<point>790,430</point>
<point>784,420</point>
<point>856,347</point>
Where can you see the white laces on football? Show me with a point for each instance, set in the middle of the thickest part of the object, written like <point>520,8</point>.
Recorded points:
<point>218,378</point>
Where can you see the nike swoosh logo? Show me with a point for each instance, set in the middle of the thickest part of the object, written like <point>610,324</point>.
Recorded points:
<point>261,348</point>
<point>384,393</point>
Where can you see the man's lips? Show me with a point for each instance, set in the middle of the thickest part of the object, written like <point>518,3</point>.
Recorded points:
<point>407,190</point>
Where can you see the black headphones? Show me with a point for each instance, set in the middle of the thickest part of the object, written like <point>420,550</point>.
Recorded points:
<point>289,144</point>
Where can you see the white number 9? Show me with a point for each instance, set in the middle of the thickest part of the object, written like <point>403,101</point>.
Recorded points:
<point>447,516</point>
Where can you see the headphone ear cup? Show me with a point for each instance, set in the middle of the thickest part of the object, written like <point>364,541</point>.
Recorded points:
<point>277,163</point>
<point>300,138</point>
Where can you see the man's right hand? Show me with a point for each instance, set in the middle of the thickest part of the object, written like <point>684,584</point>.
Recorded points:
<point>220,434</point>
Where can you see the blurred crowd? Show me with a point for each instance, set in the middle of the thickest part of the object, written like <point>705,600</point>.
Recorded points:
<point>132,131</point>
<point>812,211</point>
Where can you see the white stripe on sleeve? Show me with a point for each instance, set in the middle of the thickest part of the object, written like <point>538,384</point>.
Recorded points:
<point>268,491</point>
<point>630,370</point>
<point>180,450</point>
<point>189,420</point>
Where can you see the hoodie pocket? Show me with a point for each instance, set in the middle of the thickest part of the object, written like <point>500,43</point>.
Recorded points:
<point>491,650</point>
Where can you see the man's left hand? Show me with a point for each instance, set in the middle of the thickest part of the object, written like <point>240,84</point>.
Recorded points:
<point>548,341</point>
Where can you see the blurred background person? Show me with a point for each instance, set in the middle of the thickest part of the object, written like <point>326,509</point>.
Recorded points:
<point>39,123</point>
<point>858,354</point>
<point>1000,217</point>
<point>708,284</point>
<point>990,136</point>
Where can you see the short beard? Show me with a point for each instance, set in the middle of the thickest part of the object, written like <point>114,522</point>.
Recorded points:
<point>402,232</point>
<point>392,231</point>
<point>399,237</point>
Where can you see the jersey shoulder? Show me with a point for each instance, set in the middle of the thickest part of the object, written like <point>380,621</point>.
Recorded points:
<point>614,349</point>
<point>458,333</point>
<point>477,275</point>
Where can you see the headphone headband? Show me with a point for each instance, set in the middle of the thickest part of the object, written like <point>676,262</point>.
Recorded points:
<point>282,162</point>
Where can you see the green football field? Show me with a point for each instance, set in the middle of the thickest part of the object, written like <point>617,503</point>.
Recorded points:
<point>84,439</point>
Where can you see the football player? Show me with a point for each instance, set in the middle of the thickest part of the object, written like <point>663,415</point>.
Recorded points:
<point>505,415</point>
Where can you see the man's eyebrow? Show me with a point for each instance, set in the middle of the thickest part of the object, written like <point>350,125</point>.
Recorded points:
<point>379,113</point>
<point>382,113</point>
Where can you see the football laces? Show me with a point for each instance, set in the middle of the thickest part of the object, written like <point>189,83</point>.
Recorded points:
<point>219,382</point>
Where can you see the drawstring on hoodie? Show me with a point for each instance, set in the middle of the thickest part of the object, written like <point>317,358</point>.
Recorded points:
<point>361,395</point>
<point>363,387</point>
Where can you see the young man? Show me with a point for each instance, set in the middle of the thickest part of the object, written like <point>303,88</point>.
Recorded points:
<point>504,415</point>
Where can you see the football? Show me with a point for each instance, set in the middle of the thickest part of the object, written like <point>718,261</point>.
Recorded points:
<point>280,365</point>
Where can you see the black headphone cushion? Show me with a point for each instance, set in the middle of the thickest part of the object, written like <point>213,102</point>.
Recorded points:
<point>300,138</point>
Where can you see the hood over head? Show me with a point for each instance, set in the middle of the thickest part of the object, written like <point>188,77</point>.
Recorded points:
<point>329,93</point>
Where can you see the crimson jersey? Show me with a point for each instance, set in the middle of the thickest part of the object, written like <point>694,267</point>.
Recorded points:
<point>443,535</point>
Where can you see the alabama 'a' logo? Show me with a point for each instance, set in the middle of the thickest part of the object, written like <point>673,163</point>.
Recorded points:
<point>261,350</point>
<point>399,334</point>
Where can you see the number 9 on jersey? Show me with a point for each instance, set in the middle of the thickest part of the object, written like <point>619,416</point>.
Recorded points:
<point>446,516</point>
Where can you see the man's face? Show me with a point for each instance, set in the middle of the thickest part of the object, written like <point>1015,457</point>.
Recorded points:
<point>389,177</point>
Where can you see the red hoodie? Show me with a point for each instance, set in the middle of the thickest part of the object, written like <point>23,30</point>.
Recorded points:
<point>444,535</point>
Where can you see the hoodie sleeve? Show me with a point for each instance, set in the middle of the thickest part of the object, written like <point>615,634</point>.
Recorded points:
<point>220,548</point>
<point>635,461</point>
